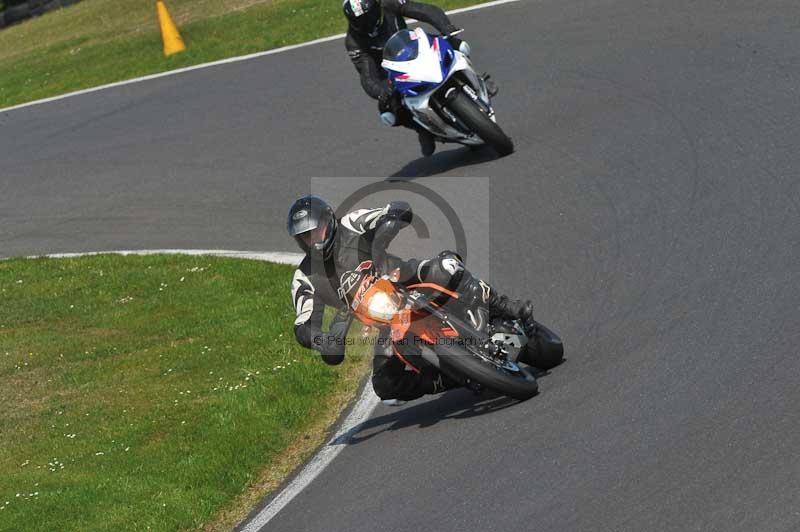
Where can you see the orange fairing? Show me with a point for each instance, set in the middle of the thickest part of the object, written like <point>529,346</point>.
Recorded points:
<point>401,324</point>
<point>376,303</point>
<point>378,294</point>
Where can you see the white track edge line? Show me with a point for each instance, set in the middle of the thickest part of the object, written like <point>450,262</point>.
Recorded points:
<point>221,62</point>
<point>269,256</point>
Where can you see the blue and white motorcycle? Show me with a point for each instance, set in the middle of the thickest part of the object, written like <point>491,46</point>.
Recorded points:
<point>442,91</point>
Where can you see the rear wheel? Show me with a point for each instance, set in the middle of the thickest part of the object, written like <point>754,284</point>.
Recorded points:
<point>519,384</point>
<point>479,122</point>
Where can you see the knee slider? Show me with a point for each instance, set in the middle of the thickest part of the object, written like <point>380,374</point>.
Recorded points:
<point>382,384</point>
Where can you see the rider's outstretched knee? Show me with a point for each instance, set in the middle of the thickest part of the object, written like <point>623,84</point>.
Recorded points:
<point>446,269</point>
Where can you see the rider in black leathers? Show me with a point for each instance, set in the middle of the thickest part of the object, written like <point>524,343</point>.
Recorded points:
<point>370,24</point>
<point>335,246</point>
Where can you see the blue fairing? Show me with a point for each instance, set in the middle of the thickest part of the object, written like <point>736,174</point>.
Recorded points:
<point>409,52</point>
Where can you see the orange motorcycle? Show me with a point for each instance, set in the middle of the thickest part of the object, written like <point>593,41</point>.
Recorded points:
<point>427,324</point>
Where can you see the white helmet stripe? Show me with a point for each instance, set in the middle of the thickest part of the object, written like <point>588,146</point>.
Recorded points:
<point>357,8</point>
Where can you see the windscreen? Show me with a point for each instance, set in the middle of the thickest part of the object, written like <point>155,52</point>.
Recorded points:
<point>402,46</point>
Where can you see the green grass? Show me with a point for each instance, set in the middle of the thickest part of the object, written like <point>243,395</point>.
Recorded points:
<point>102,41</point>
<point>152,393</point>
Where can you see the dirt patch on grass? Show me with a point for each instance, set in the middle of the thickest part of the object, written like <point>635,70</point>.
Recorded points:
<point>27,395</point>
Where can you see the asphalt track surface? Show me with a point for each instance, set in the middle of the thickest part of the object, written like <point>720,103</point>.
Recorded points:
<point>651,211</point>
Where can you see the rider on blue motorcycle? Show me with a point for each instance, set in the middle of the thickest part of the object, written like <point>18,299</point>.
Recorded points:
<point>370,24</point>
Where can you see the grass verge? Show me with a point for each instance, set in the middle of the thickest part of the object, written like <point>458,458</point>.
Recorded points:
<point>153,393</point>
<point>101,41</point>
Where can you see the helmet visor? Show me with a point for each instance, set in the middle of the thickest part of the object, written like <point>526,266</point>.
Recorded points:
<point>315,237</point>
<point>318,237</point>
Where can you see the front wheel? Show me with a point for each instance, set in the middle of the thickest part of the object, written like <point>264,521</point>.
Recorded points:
<point>544,350</point>
<point>479,123</point>
<point>518,384</point>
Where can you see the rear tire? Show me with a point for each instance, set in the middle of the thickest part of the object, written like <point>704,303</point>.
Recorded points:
<point>460,362</point>
<point>479,122</point>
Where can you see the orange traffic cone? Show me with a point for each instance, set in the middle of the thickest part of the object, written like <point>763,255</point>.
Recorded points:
<point>169,32</point>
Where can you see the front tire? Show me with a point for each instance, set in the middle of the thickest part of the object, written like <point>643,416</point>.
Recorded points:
<point>459,362</point>
<point>479,122</point>
<point>545,350</point>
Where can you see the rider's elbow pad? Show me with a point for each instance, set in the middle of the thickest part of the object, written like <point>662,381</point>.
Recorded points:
<point>401,211</point>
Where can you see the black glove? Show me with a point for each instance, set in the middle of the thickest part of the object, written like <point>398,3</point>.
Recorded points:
<point>387,100</point>
<point>338,329</point>
<point>332,344</point>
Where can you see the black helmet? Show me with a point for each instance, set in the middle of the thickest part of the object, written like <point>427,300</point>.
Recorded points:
<point>364,16</point>
<point>312,223</point>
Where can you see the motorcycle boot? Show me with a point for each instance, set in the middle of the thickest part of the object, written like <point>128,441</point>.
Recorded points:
<point>426,142</point>
<point>491,86</point>
<point>478,292</point>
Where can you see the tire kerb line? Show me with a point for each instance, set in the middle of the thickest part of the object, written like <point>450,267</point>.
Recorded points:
<point>223,61</point>
<point>268,256</point>
<point>360,411</point>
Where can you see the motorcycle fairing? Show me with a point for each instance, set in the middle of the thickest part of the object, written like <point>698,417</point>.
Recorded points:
<point>419,62</point>
<point>428,117</point>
